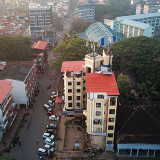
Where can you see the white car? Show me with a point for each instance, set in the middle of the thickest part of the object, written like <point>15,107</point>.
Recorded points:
<point>49,142</point>
<point>53,118</point>
<point>47,107</point>
<point>54,94</point>
<point>42,151</point>
<point>47,135</point>
<point>50,103</point>
<point>48,147</point>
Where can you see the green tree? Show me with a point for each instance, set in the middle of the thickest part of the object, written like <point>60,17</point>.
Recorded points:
<point>147,89</point>
<point>15,48</point>
<point>7,158</point>
<point>139,55</point>
<point>70,50</point>
<point>78,25</point>
<point>124,84</point>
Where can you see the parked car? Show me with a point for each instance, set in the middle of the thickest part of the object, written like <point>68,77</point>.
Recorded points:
<point>54,94</point>
<point>49,141</point>
<point>53,118</point>
<point>48,135</point>
<point>51,126</point>
<point>47,107</point>
<point>48,147</point>
<point>49,113</point>
<point>48,86</point>
<point>42,151</point>
<point>52,98</point>
<point>50,103</point>
<point>51,131</point>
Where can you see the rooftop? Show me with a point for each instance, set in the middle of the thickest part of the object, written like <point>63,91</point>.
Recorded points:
<point>16,71</point>
<point>135,23</point>
<point>5,87</point>
<point>98,82</point>
<point>139,16</point>
<point>40,45</point>
<point>72,66</point>
<point>143,126</point>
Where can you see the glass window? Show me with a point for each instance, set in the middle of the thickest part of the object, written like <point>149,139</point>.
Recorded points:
<point>78,98</point>
<point>97,121</point>
<point>111,119</point>
<point>69,83</point>
<point>98,113</point>
<point>112,111</point>
<point>110,127</point>
<point>69,97</point>
<point>100,97</point>
<point>69,90</point>
<point>110,134</point>
<point>69,104</point>
<point>98,105</point>
<point>109,142</point>
<point>84,88</point>
<point>78,83</point>
<point>78,104</point>
<point>78,90</point>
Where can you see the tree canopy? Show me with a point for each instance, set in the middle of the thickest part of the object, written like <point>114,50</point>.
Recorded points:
<point>124,84</point>
<point>78,25</point>
<point>139,55</point>
<point>113,9</point>
<point>73,49</point>
<point>15,48</point>
<point>7,158</point>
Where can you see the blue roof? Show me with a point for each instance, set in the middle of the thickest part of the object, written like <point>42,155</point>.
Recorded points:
<point>99,30</point>
<point>135,23</point>
<point>139,16</point>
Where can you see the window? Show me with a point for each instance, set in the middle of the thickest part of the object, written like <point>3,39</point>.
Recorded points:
<point>69,104</point>
<point>112,111</point>
<point>109,142</point>
<point>78,104</point>
<point>110,127</point>
<point>69,83</point>
<point>110,134</point>
<point>100,97</point>
<point>69,97</point>
<point>97,121</point>
<point>69,90</point>
<point>78,83</point>
<point>78,98</point>
<point>98,113</point>
<point>84,81</point>
<point>84,88</point>
<point>84,74</point>
<point>78,90</point>
<point>111,119</point>
<point>84,96</point>
<point>98,105</point>
<point>112,101</point>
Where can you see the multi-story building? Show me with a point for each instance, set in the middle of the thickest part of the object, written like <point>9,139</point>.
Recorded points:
<point>74,87</point>
<point>8,109</point>
<point>147,8</point>
<point>91,85</point>
<point>23,78</point>
<point>86,10</point>
<point>39,17</point>
<point>137,25</point>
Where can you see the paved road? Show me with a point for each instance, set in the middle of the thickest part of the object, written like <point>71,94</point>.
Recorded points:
<point>37,122</point>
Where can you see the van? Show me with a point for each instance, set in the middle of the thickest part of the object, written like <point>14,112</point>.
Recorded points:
<point>42,151</point>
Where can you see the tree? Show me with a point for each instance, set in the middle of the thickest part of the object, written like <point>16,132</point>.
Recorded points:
<point>147,89</point>
<point>78,25</point>
<point>124,84</point>
<point>70,50</point>
<point>7,158</point>
<point>15,48</point>
<point>139,55</point>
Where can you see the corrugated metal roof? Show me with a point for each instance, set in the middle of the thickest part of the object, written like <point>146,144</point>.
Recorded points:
<point>5,87</point>
<point>72,66</point>
<point>40,45</point>
<point>139,16</point>
<point>135,23</point>
<point>99,82</point>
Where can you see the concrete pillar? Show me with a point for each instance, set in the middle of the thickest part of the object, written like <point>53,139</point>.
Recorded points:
<point>130,152</point>
<point>137,152</point>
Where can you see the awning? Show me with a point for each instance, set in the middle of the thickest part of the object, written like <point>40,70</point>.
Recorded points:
<point>58,99</point>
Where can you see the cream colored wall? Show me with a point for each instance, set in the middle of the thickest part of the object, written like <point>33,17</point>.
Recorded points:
<point>107,58</point>
<point>98,140</point>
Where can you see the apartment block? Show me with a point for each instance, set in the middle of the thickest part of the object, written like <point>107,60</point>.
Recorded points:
<point>137,25</point>
<point>86,10</point>
<point>39,16</point>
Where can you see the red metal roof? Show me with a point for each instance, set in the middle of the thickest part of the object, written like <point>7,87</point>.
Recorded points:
<point>72,66</point>
<point>99,82</point>
<point>2,67</point>
<point>40,45</point>
<point>5,87</point>
<point>59,99</point>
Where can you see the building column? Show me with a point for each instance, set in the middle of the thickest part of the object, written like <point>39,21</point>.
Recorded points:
<point>147,152</point>
<point>130,152</point>
<point>137,152</point>
<point>154,153</point>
